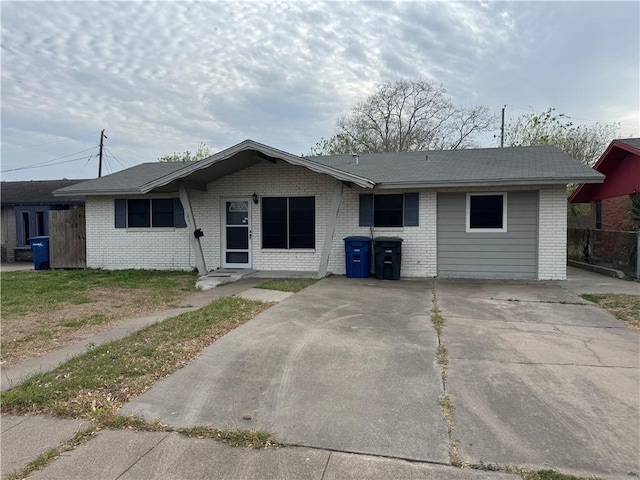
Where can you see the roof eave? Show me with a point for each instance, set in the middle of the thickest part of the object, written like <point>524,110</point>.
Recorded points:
<point>270,151</point>
<point>489,183</point>
<point>93,193</point>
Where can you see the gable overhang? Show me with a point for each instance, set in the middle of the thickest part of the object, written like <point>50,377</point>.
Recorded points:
<point>239,157</point>
<point>583,193</point>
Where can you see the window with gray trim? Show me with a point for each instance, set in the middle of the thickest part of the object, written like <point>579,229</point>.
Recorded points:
<point>149,213</point>
<point>389,210</point>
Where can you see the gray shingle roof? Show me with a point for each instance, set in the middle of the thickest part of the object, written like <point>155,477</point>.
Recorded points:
<point>448,168</point>
<point>538,164</point>
<point>634,142</point>
<point>37,192</point>
<point>126,181</point>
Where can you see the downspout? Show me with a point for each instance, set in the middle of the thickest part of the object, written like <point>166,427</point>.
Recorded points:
<point>330,230</point>
<point>194,238</point>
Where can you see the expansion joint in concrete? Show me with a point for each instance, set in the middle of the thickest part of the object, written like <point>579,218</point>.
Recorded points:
<point>326,465</point>
<point>142,456</point>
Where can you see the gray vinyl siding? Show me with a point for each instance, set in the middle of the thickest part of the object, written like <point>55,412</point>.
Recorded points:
<point>510,254</point>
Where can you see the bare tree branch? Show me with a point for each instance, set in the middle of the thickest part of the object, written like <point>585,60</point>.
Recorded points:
<point>406,115</point>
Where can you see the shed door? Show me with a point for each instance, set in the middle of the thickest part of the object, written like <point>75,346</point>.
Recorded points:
<point>509,254</point>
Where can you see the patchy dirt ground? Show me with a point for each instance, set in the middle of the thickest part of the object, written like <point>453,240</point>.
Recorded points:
<point>27,336</point>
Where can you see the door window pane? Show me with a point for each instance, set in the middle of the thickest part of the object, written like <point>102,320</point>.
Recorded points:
<point>237,238</point>
<point>237,257</point>
<point>237,213</point>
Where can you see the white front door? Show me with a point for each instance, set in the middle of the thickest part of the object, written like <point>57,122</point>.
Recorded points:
<point>236,233</point>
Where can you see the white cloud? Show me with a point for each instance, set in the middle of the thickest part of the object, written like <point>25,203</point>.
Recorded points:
<point>161,77</point>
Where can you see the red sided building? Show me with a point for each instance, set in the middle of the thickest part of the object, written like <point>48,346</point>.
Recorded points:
<point>611,200</point>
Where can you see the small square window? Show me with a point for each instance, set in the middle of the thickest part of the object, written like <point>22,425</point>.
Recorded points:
<point>486,212</point>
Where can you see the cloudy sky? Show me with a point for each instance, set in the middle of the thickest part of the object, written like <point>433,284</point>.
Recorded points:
<point>161,77</point>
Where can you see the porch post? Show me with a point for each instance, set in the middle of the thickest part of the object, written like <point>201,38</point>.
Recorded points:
<point>331,229</point>
<point>191,226</point>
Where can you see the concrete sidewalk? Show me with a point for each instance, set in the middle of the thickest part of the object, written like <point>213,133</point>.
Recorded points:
<point>581,281</point>
<point>128,455</point>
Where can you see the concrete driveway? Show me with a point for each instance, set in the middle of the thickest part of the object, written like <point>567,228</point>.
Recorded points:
<point>346,364</point>
<point>539,377</point>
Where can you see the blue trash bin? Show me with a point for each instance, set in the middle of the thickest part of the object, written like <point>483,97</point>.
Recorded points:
<point>40,248</point>
<point>357,253</point>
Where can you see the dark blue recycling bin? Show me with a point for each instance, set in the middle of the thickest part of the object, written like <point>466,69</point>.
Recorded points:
<point>40,248</point>
<point>357,253</point>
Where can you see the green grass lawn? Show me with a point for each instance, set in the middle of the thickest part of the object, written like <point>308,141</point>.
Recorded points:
<point>29,292</point>
<point>107,376</point>
<point>50,309</point>
<point>623,307</point>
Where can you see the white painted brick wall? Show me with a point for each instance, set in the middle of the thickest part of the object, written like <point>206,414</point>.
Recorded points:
<point>552,234</point>
<point>418,247</point>
<point>117,248</point>
<point>168,248</point>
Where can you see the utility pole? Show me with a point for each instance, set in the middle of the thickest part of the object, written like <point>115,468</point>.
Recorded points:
<point>103,136</point>
<point>502,129</point>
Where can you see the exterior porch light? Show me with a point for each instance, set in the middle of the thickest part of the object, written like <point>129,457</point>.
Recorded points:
<point>255,198</point>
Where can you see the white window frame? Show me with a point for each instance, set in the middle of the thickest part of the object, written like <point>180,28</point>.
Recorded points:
<point>487,230</point>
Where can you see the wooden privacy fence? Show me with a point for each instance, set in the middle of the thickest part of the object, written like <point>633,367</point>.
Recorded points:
<point>67,238</point>
<point>606,248</point>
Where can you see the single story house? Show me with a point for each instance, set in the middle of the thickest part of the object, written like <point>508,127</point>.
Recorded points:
<point>25,213</point>
<point>478,213</point>
<point>611,200</point>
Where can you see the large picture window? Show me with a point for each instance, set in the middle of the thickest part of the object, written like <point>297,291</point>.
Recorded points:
<point>394,210</point>
<point>288,222</point>
<point>486,212</point>
<point>149,213</point>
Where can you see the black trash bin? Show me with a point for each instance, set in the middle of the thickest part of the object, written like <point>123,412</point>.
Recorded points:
<point>357,254</point>
<point>388,257</point>
<point>40,248</point>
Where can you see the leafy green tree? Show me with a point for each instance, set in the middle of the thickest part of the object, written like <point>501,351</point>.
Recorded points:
<point>406,115</point>
<point>585,143</point>
<point>203,151</point>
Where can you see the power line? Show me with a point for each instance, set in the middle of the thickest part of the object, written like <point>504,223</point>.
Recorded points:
<point>115,157</point>
<point>134,154</point>
<point>50,162</point>
<point>107,163</point>
<point>47,165</point>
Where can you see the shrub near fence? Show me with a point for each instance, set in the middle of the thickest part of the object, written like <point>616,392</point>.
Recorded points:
<point>607,248</point>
